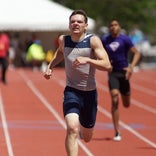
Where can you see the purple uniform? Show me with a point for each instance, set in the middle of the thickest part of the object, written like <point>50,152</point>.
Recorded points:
<point>117,49</point>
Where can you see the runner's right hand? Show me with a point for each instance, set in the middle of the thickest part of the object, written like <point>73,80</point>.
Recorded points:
<point>48,73</point>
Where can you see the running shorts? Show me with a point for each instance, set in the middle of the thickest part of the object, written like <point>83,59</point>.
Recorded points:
<point>117,80</point>
<point>83,103</point>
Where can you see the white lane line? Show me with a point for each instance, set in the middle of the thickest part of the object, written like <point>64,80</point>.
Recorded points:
<point>143,106</point>
<point>51,109</point>
<point>143,89</point>
<point>141,137</point>
<point>5,128</point>
<point>134,102</point>
<point>106,113</point>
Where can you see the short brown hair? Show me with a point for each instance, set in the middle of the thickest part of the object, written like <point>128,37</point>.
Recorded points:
<point>81,12</point>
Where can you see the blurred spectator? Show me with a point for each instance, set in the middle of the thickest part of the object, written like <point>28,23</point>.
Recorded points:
<point>4,51</point>
<point>136,36</point>
<point>49,56</point>
<point>30,40</point>
<point>35,55</point>
<point>15,51</point>
<point>104,31</point>
<point>140,41</point>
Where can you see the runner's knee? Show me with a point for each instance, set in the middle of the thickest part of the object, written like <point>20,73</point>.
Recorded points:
<point>73,131</point>
<point>115,101</point>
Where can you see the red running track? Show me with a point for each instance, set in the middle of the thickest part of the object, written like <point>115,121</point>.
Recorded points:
<point>32,124</point>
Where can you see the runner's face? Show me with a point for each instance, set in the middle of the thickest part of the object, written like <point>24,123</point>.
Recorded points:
<point>77,24</point>
<point>114,28</point>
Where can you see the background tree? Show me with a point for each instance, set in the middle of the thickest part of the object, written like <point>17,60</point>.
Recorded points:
<point>129,12</point>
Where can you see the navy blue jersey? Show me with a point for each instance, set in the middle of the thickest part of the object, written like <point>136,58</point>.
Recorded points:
<point>117,49</point>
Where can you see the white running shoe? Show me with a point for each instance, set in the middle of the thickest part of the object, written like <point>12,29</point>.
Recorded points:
<point>117,137</point>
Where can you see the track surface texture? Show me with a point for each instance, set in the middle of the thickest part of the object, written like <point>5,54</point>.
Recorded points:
<point>32,123</point>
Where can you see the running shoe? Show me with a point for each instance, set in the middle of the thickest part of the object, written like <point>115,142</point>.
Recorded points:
<point>117,137</point>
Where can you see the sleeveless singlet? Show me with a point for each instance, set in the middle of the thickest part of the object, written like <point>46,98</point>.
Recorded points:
<point>82,77</point>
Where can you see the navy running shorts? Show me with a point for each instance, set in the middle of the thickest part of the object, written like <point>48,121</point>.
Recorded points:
<point>117,80</point>
<point>83,103</point>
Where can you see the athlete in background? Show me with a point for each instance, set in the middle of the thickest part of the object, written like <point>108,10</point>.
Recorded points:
<point>117,46</point>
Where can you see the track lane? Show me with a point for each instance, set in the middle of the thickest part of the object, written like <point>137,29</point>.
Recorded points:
<point>33,129</point>
<point>101,143</point>
<point>101,93</point>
